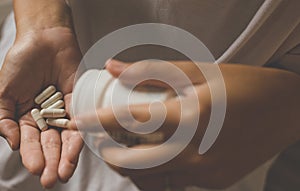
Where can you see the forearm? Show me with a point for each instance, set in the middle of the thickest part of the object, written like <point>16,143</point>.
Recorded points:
<point>34,15</point>
<point>269,99</point>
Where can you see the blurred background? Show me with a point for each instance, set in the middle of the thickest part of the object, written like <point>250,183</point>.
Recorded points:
<point>5,8</point>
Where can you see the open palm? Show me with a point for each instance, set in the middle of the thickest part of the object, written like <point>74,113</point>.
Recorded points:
<point>35,61</point>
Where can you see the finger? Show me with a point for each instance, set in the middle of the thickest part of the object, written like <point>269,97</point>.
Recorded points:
<point>72,144</point>
<point>30,147</point>
<point>67,99</point>
<point>51,145</point>
<point>9,128</point>
<point>155,70</point>
<point>142,117</point>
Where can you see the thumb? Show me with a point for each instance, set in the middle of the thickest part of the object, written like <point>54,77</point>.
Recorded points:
<point>9,128</point>
<point>157,72</point>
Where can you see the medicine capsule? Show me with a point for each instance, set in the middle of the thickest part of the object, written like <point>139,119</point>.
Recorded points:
<point>41,123</point>
<point>57,96</point>
<point>53,113</point>
<point>45,95</point>
<point>63,123</point>
<point>57,105</point>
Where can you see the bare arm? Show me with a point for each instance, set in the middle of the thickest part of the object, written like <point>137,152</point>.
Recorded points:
<point>33,15</point>
<point>262,119</point>
<point>45,52</point>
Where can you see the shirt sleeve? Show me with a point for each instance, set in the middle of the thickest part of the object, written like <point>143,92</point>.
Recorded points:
<point>291,60</point>
<point>287,56</point>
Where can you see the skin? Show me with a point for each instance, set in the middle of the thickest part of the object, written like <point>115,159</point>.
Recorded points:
<point>45,52</point>
<point>261,120</point>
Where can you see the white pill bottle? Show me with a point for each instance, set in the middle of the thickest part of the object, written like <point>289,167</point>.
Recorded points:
<point>99,89</point>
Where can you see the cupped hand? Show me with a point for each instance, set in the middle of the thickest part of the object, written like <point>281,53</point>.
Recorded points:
<point>36,60</point>
<point>261,120</point>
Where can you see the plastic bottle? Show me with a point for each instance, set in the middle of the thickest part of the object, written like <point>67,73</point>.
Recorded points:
<point>96,88</point>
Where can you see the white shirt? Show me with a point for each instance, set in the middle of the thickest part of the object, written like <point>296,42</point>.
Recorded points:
<point>255,32</point>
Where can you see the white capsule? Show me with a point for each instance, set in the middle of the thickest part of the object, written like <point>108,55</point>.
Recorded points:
<point>57,96</point>
<point>57,105</point>
<point>41,123</point>
<point>63,123</point>
<point>45,94</point>
<point>53,113</point>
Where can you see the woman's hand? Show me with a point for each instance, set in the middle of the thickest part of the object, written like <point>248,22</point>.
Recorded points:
<point>261,120</point>
<point>36,60</point>
<point>45,52</point>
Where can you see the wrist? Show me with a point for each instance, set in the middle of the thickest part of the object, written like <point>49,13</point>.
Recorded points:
<point>37,15</point>
<point>50,39</point>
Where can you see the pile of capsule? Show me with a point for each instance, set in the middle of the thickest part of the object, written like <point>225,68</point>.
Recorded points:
<point>52,109</point>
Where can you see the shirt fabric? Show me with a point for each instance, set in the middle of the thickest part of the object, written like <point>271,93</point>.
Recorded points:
<point>256,32</point>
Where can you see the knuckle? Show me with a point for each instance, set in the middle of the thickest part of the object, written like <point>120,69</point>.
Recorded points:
<point>51,141</point>
<point>71,136</point>
<point>51,144</point>
<point>29,140</point>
